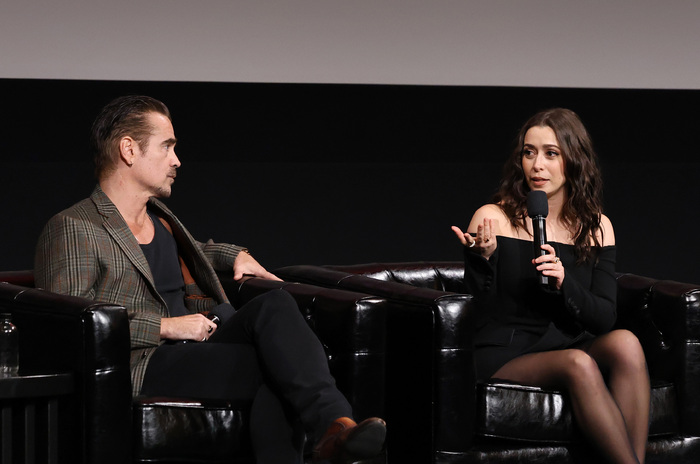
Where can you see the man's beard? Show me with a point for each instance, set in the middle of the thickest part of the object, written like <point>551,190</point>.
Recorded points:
<point>163,192</point>
<point>166,191</point>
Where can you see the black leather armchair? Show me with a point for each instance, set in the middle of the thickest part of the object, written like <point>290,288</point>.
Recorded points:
<point>101,423</point>
<point>495,421</point>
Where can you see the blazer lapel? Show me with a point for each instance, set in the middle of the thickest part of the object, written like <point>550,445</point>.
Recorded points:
<point>116,227</point>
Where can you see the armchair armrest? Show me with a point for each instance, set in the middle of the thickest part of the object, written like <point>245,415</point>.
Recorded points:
<point>24,277</point>
<point>430,347</point>
<point>675,309</point>
<point>665,316</point>
<point>61,333</point>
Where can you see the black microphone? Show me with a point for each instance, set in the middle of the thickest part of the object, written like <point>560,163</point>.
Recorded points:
<point>538,209</point>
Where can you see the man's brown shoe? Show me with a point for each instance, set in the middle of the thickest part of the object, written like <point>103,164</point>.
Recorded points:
<point>345,441</point>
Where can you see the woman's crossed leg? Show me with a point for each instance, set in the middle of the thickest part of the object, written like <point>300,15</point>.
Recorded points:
<point>615,416</point>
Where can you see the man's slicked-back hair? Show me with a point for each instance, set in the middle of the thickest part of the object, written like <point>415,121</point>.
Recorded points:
<point>123,116</point>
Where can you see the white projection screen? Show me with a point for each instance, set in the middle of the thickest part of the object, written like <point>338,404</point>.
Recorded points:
<point>541,43</point>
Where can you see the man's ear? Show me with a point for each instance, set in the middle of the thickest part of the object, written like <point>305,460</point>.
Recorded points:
<point>127,145</point>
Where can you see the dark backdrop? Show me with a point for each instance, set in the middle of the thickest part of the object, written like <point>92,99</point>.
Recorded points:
<point>341,174</point>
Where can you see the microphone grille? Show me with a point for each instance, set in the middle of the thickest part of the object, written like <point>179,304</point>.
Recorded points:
<point>537,203</point>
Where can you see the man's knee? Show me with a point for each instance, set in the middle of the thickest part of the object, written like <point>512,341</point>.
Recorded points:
<point>276,303</point>
<point>279,299</point>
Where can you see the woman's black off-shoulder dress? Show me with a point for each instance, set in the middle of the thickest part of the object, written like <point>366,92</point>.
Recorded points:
<point>518,316</point>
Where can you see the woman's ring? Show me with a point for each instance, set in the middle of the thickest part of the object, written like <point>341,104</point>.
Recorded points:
<point>486,240</point>
<point>557,260</point>
<point>210,329</point>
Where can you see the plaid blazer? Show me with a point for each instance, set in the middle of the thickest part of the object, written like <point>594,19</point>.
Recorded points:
<point>89,251</point>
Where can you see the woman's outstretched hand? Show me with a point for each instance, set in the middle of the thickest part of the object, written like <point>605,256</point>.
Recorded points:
<point>484,243</point>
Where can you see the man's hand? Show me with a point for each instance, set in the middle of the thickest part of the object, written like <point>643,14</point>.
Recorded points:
<point>246,265</point>
<point>191,327</point>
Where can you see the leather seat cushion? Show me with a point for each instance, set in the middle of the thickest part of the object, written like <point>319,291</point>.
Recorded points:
<point>183,430</point>
<point>516,412</point>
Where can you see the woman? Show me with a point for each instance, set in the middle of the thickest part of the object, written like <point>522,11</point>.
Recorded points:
<point>557,336</point>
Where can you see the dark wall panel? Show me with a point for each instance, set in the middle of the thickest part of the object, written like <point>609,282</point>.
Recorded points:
<point>355,173</point>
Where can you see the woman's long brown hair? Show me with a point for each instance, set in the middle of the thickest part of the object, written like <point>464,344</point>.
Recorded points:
<point>582,210</point>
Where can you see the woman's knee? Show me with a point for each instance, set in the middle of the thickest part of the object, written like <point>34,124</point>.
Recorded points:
<point>580,367</point>
<point>631,351</point>
<point>620,349</point>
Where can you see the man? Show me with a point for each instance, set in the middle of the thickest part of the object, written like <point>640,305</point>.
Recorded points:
<point>124,246</point>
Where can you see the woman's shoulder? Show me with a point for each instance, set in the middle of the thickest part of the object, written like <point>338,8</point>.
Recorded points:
<point>491,211</point>
<point>606,233</point>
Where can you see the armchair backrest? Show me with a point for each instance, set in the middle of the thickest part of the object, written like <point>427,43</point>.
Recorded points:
<point>446,276</point>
